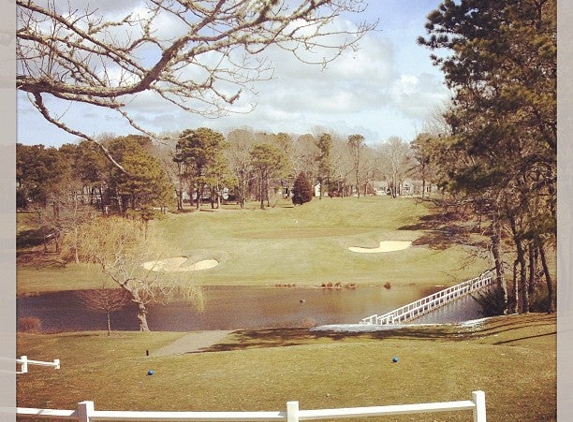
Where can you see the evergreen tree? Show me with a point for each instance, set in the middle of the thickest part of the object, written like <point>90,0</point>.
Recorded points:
<point>268,161</point>
<point>201,153</point>
<point>324,144</point>
<point>145,184</point>
<point>302,190</point>
<point>500,155</point>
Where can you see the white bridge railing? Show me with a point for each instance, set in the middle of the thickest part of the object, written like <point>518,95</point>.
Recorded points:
<point>24,362</point>
<point>86,412</point>
<point>430,303</point>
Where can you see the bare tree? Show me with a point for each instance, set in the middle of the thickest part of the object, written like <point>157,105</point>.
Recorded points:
<point>199,55</point>
<point>342,166</point>
<point>241,142</point>
<point>396,158</point>
<point>165,152</point>
<point>104,300</point>
<point>119,247</point>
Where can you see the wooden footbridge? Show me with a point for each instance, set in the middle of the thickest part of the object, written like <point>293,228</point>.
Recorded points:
<point>430,303</point>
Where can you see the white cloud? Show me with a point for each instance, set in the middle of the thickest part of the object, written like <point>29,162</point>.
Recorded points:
<point>386,87</point>
<point>417,96</point>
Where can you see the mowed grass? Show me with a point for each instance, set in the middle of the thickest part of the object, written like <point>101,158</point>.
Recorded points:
<point>309,244</point>
<point>512,359</point>
<point>306,245</point>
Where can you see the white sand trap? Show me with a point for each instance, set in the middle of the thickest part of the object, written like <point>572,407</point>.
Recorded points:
<point>386,246</point>
<point>203,265</point>
<point>176,265</point>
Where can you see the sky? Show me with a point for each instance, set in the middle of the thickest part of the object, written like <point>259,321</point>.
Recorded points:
<point>388,87</point>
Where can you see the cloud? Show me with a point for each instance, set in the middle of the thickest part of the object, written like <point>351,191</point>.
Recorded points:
<point>416,96</point>
<point>354,82</point>
<point>385,87</point>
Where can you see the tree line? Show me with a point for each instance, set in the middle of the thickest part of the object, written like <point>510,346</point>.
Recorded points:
<point>199,165</point>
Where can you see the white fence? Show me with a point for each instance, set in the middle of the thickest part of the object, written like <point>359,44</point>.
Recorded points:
<point>429,303</point>
<point>25,362</point>
<point>86,412</point>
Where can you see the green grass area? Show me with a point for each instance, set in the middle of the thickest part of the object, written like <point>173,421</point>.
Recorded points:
<point>512,359</point>
<point>306,245</point>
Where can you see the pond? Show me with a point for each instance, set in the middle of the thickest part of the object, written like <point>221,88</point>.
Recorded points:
<point>240,308</point>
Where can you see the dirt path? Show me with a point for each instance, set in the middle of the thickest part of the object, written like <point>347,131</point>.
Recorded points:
<point>193,342</point>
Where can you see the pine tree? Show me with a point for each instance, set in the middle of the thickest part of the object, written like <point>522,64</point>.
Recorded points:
<point>302,190</point>
<point>501,149</point>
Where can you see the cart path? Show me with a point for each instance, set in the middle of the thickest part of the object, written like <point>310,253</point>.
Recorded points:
<point>193,342</point>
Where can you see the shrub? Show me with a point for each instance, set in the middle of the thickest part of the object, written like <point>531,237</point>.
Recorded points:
<point>491,301</point>
<point>29,324</point>
<point>539,300</point>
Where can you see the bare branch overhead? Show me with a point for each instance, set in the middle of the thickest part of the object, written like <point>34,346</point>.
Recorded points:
<point>200,56</point>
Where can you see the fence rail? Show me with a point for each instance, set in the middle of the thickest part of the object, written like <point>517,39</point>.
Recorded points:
<point>25,362</point>
<point>86,412</point>
<point>430,303</point>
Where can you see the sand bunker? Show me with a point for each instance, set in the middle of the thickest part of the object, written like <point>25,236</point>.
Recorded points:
<point>386,246</point>
<point>176,265</point>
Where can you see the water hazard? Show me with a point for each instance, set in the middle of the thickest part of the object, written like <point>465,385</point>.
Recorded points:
<point>242,307</point>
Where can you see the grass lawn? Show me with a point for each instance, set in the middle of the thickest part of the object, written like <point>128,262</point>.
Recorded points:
<point>512,359</point>
<point>306,245</point>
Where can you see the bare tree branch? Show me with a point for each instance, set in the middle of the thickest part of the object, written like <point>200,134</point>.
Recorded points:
<point>202,61</point>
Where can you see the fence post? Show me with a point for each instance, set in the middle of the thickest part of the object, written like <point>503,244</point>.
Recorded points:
<point>24,367</point>
<point>85,408</point>
<point>479,411</point>
<point>292,411</point>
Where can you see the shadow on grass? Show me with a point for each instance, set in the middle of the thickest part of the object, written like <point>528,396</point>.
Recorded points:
<point>443,230</point>
<point>39,259</point>
<point>283,337</point>
<point>29,238</point>
<point>512,323</point>
<point>515,340</point>
<point>514,330</point>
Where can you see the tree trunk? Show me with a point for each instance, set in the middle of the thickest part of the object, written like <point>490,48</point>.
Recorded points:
<point>179,195</point>
<point>498,263</point>
<point>142,317</point>
<point>550,293</point>
<point>522,277</point>
<point>101,200</point>
<point>534,276</point>
<point>514,306</point>
<point>261,192</point>
<point>76,249</point>
<point>530,280</point>
<point>108,323</point>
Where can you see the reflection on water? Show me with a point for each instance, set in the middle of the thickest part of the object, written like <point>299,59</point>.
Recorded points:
<point>230,308</point>
<point>463,309</point>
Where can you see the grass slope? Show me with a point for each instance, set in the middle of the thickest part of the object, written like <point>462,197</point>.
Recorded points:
<point>513,359</point>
